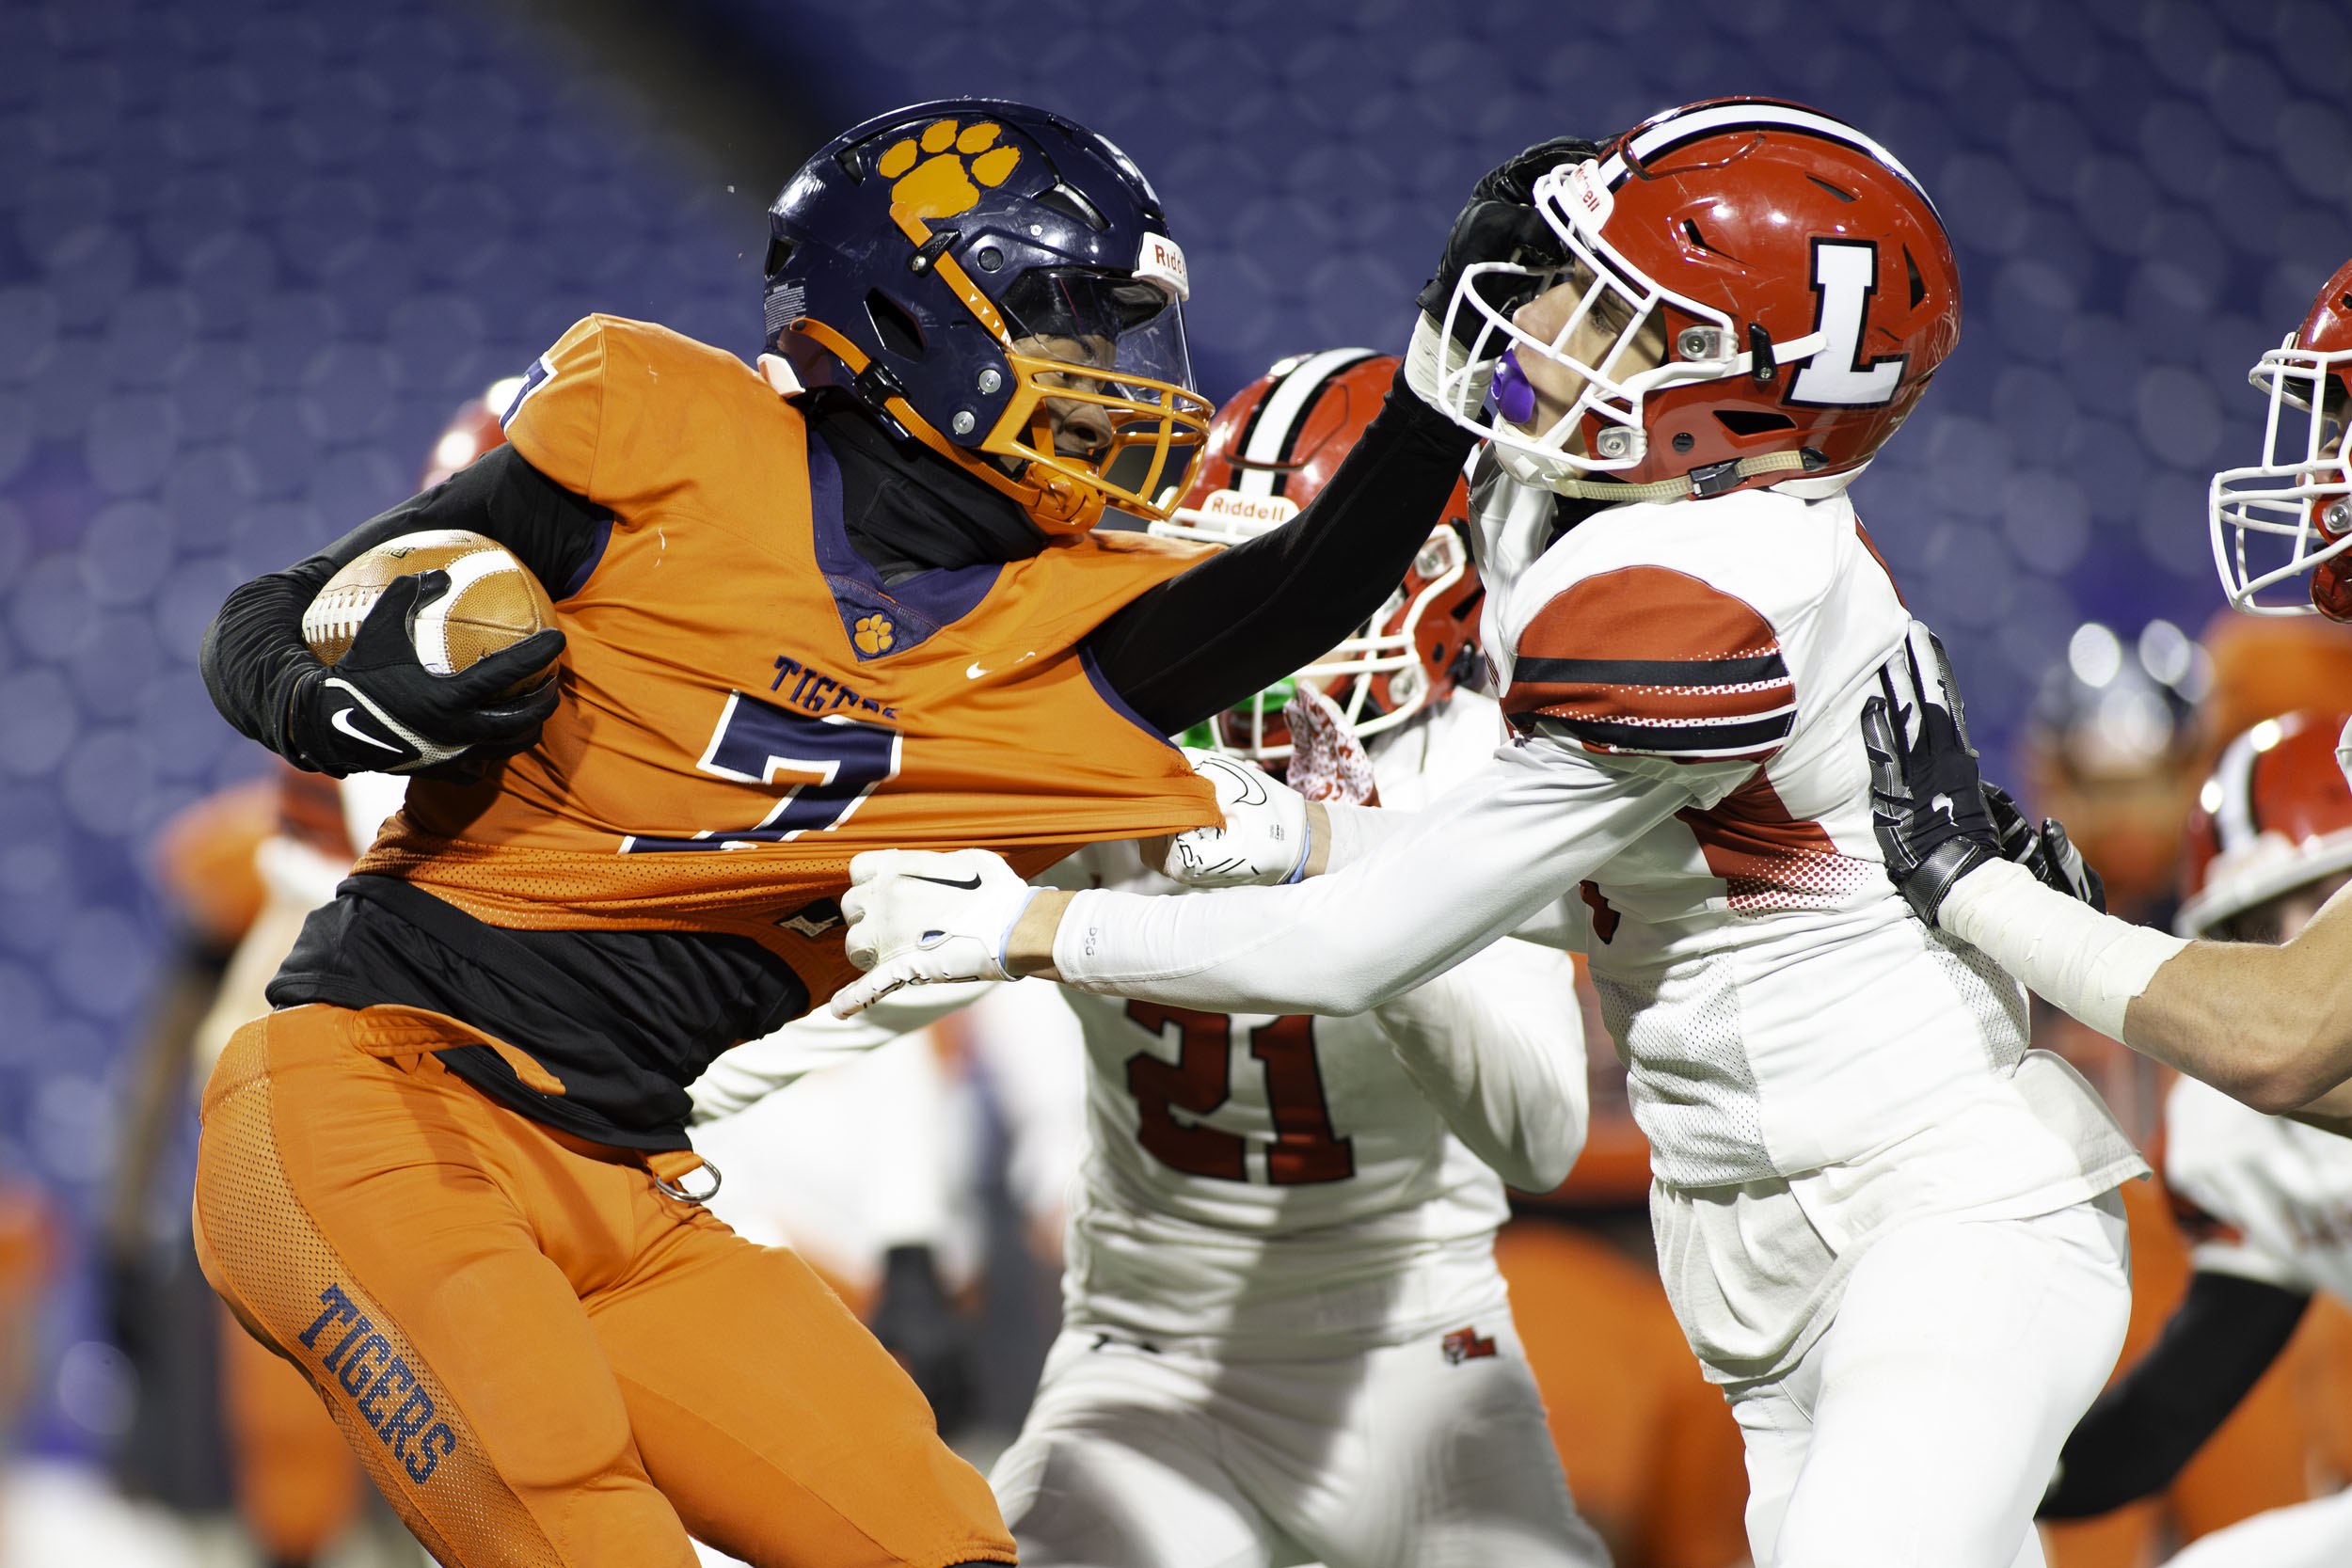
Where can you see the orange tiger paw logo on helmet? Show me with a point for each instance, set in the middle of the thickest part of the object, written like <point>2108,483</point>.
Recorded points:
<point>875,634</point>
<point>941,185</point>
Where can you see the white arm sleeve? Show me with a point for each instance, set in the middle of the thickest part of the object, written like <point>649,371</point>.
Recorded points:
<point>1497,1044</point>
<point>759,1068</point>
<point>2061,949</point>
<point>1358,830</point>
<point>1538,820</point>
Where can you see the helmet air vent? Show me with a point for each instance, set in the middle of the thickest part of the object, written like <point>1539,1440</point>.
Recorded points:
<point>1071,203</point>
<point>1751,422</point>
<point>899,332</point>
<point>1840,195</point>
<point>779,252</point>
<point>1691,233</point>
<point>1918,287</point>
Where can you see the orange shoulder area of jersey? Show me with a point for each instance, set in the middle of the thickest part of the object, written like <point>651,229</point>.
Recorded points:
<point>1655,662</point>
<point>627,412</point>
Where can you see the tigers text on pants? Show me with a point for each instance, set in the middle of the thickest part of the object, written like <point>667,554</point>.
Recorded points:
<point>538,1356</point>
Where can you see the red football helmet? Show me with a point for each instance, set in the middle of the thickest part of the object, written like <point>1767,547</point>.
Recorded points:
<point>472,431</point>
<point>1271,448</point>
<point>1759,292</point>
<point>2301,493</point>
<point>2276,815</point>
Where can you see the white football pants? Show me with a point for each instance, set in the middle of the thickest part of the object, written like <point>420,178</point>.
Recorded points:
<point>1921,1428</point>
<point>2317,1534</point>
<point>1405,1455</point>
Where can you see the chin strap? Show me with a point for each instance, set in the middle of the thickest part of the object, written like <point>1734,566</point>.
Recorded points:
<point>1713,480</point>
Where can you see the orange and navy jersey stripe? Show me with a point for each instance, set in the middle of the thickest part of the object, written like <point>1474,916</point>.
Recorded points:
<point>1649,660</point>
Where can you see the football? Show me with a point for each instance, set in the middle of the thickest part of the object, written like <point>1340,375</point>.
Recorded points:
<point>493,601</point>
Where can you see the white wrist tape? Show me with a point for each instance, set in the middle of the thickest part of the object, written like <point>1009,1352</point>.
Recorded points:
<point>1431,357</point>
<point>2063,951</point>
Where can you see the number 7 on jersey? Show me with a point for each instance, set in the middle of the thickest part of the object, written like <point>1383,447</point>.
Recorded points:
<point>843,760</point>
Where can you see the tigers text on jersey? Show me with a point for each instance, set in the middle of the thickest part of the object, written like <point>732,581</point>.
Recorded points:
<point>1780,1008</point>
<point>2272,1198</point>
<point>1264,1181</point>
<point>746,704</point>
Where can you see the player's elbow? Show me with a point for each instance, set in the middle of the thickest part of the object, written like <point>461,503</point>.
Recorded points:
<point>2287,1069</point>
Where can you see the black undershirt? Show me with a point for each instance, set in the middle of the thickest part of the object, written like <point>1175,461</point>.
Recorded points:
<point>2134,1439</point>
<point>627,1019</point>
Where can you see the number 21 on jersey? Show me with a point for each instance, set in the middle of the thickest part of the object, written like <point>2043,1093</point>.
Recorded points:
<point>1304,1148</point>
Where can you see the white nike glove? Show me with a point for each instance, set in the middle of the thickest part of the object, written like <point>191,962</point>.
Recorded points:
<point>1263,840</point>
<point>916,918</point>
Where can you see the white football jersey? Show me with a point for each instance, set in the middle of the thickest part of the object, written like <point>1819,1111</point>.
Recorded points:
<point>1780,1008</point>
<point>2271,1199</point>
<point>1262,1180</point>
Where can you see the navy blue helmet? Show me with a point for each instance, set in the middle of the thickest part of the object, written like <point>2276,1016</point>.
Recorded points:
<point>998,283</point>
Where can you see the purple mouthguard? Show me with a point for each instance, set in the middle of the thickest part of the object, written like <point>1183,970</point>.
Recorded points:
<point>1515,400</point>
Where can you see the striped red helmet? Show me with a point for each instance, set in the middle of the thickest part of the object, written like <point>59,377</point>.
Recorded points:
<point>1272,448</point>
<point>2276,815</point>
<point>2290,514</point>
<point>1755,292</point>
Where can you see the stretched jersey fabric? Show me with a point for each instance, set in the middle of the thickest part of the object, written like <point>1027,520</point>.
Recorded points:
<point>746,706</point>
<point>2270,1199</point>
<point>1261,1182</point>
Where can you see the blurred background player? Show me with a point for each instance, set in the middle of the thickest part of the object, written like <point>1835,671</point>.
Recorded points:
<point>215,1410</point>
<point>2112,744</point>
<point>2263,1199</point>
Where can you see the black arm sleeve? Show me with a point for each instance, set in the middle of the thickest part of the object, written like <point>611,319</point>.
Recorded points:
<point>2134,1439</point>
<point>1248,616</point>
<point>253,651</point>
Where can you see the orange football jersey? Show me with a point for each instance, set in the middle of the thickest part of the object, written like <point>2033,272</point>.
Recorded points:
<point>746,704</point>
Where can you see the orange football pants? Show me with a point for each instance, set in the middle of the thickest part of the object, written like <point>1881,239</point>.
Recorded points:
<point>539,1357</point>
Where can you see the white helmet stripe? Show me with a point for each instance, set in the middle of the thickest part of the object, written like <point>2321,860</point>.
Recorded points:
<point>1664,138</point>
<point>2234,815</point>
<point>1274,429</point>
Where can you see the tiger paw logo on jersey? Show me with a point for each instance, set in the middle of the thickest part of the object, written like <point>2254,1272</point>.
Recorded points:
<point>941,185</point>
<point>1464,1344</point>
<point>875,634</point>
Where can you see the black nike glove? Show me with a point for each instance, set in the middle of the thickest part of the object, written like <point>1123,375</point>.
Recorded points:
<point>1926,803</point>
<point>2045,850</point>
<point>379,710</point>
<point>1500,223</point>
<point>918,1324</point>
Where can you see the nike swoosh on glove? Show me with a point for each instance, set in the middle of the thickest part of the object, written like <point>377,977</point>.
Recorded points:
<point>1327,762</point>
<point>1263,840</point>
<point>379,710</point>
<point>917,916</point>
<point>1927,802</point>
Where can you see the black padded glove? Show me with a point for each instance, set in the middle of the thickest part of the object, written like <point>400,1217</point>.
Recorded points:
<point>379,710</point>
<point>918,1324</point>
<point>1926,803</point>
<point>2045,850</point>
<point>1500,223</point>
